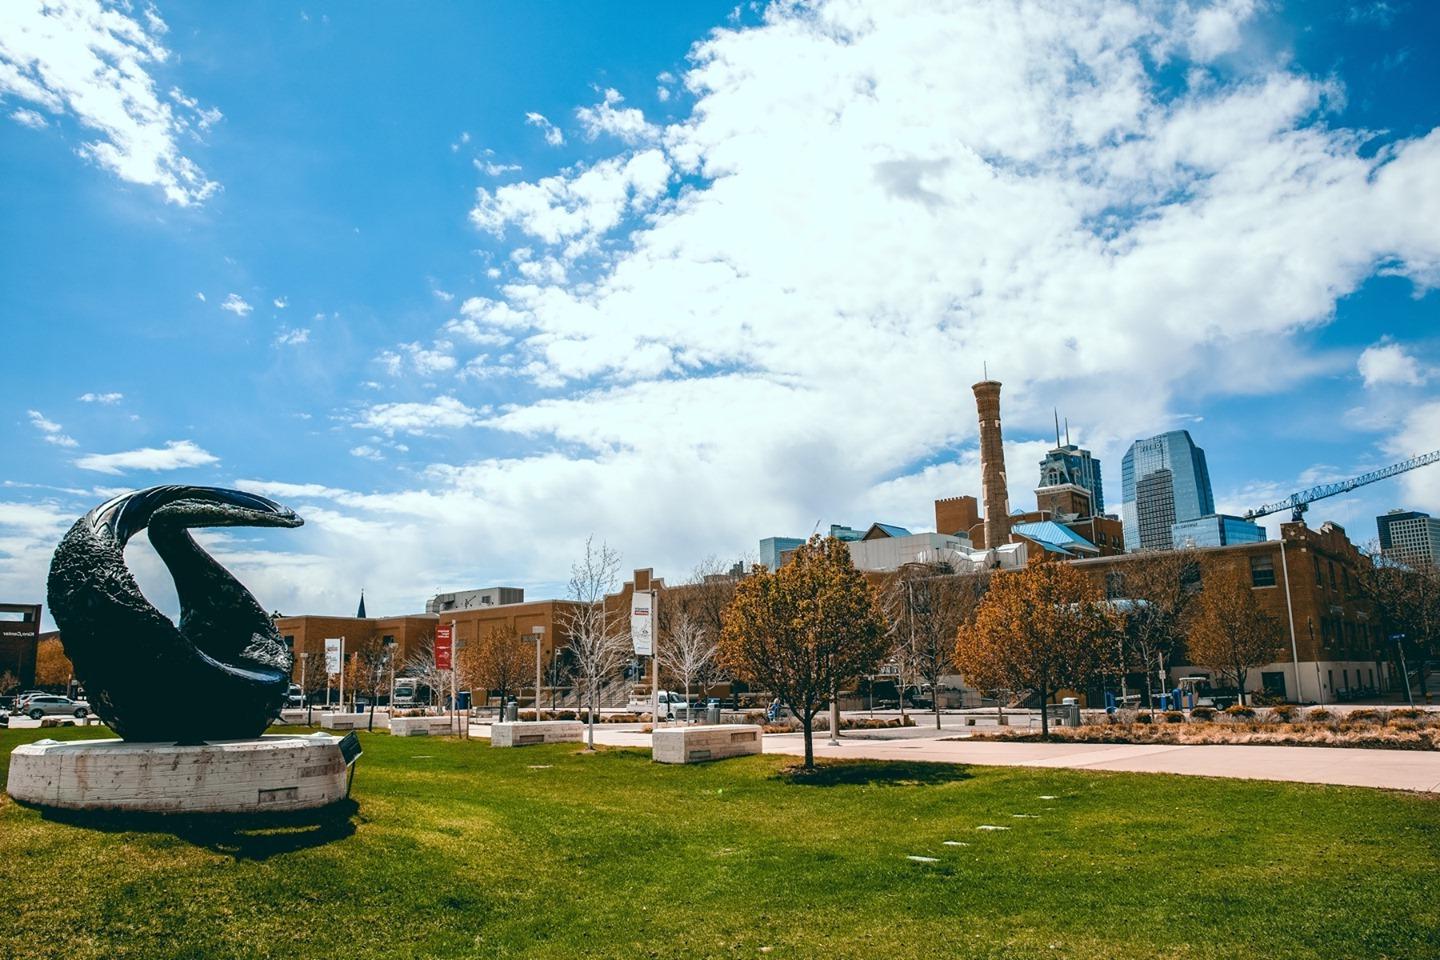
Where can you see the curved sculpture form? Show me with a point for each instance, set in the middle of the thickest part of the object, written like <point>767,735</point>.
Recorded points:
<point>144,676</point>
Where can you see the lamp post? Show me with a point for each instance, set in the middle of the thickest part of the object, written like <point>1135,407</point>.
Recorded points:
<point>539,633</point>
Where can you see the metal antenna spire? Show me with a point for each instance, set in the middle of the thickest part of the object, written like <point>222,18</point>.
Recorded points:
<point>1057,426</point>
<point>1067,431</point>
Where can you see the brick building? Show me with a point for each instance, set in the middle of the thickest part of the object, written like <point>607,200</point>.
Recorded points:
<point>19,640</point>
<point>1308,580</point>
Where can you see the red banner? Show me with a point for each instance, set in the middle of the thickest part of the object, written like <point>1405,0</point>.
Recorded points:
<point>443,647</point>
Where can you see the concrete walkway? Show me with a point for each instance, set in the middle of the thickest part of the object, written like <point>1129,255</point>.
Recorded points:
<point>1414,770</point>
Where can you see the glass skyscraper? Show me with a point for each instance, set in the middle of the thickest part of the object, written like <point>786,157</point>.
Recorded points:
<point>1164,480</point>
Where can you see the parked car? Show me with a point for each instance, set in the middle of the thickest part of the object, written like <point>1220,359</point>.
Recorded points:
<point>295,697</point>
<point>53,705</point>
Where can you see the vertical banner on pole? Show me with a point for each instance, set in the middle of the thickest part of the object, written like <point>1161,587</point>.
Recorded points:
<point>642,625</point>
<point>332,655</point>
<point>444,646</point>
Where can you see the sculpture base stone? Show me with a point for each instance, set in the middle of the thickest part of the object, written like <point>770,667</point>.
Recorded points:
<point>264,775</point>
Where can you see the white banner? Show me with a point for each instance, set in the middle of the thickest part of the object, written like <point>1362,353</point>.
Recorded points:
<point>332,655</point>
<point>642,623</point>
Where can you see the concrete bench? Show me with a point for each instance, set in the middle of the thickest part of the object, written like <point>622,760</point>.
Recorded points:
<point>423,726</point>
<point>530,732</point>
<point>695,744</point>
<point>353,721</point>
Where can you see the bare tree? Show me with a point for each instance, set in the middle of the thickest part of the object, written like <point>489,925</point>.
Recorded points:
<point>1407,599</point>
<point>421,666</point>
<point>1231,634</point>
<point>1164,584</point>
<point>367,671</point>
<point>599,640</point>
<point>703,599</point>
<point>928,603</point>
<point>687,651</point>
<point>314,677</point>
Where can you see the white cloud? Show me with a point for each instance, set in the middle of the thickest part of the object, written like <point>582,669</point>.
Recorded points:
<point>553,136</point>
<point>1386,363</point>
<point>200,296</point>
<point>236,304</point>
<point>50,431</point>
<point>608,117</point>
<point>425,361</point>
<point>365,452</point>
<point>106,398</point>
<point>90,61</point>
<point>492,169</point>
<point>288,337</point>
<point>577,206</point>
<point>29,118</point>
<point>173,456</point>
<point>280,303</point>
<point>442,413</point>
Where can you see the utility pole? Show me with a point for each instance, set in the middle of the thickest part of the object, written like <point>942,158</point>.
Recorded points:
<point>655,662</point>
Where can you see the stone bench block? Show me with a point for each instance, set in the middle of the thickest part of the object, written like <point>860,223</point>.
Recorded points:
<point>354,721</point>
<point>530,732</point>
<point>226,776</point>
<point>423,726</point>
<point>695,744</point>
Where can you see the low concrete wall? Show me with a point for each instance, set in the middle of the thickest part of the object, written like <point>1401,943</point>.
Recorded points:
<point>229,776</point>
<point>423,726</point>
<point>695,744</point>
<point>530,732</point>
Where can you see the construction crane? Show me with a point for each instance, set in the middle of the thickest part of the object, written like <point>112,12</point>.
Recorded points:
<point>1297,503</point>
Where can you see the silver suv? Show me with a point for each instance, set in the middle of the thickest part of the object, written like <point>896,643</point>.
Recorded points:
<point>52,705</point>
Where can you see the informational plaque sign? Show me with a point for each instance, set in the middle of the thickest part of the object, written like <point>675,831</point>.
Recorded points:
<point>642,623</point>
<point>444,647</point>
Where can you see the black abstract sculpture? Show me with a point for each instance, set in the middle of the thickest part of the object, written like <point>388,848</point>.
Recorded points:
<point>144,675</point>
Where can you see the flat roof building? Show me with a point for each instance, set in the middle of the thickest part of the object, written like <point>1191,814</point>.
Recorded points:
<point>1410,537</point>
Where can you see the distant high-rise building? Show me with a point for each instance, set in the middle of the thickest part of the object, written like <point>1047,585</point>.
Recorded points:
<point>1410,537</point>
<point>1164,480</point>
<point>1216,530</point>
<point>1072,465</point>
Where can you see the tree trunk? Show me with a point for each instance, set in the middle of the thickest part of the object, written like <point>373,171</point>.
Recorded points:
<point>1044,712</point>
<point>1240,682</point>
<point>935,702</point>
<point>807,722</point>
<point>371,727</point>
<point>590,730</point>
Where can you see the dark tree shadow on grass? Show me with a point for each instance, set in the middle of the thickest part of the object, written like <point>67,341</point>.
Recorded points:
<point>241,836</point>
<point>889,773</point>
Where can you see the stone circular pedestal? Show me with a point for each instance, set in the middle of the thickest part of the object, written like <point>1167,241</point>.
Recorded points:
<point>264,775</point>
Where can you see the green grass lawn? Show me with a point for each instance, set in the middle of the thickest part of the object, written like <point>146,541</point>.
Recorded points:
<point>457,850</point>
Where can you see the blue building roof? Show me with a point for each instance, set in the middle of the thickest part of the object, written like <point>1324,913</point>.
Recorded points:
<point>891,530</point>
<point>1049,534</point>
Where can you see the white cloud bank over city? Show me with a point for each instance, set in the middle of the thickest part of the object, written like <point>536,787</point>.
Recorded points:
<point>770,312</point>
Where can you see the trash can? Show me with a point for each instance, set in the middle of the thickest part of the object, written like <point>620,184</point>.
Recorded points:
<point>1071,711</point>
<point>712,713</point>
<point>463,700</point>
<point>512,712</point>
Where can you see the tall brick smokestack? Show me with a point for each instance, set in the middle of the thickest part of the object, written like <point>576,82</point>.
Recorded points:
<point>992,464</point>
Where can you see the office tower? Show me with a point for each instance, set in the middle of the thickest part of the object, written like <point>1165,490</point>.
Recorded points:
<point>1164,481</point>
<point>1410,537</point>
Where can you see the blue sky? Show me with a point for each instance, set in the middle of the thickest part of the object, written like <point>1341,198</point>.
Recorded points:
<point>464,284</point>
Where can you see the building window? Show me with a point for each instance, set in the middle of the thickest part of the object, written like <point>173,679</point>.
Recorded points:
<point>290,641</point>
<point>1319,579</point>
<point>1262,571</point>
<point>1332,573</point>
